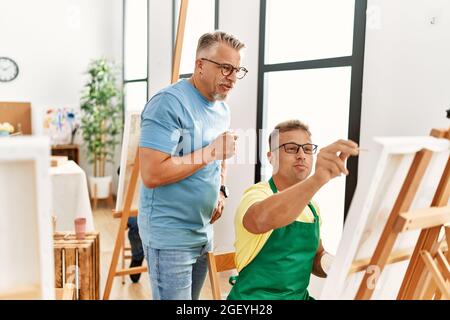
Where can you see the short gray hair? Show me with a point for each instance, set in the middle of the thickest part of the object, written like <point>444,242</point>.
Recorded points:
<point>211,39</point>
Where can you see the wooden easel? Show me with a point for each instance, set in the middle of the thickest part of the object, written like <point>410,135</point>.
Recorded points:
<point>119,244</point>
<point>127,211</point>
<point>422,262</point>
<point>428,274</point>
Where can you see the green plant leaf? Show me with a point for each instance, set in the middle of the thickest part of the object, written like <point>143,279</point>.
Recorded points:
<point>101,107</point>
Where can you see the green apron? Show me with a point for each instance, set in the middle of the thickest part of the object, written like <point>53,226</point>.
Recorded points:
<point>282,269</point>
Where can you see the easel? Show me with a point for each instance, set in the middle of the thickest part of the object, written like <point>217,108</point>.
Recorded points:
<point>426,248</point>
<point>127,211</point>
<point>428,273</point>
<point>120,239</point>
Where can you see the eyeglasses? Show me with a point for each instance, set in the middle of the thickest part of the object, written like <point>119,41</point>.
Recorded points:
<point>293,148</point>
<point>227,69</point>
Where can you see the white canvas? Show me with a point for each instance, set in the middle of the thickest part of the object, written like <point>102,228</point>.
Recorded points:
<point>26,244</point>
<point>370,210</point>
<point>130,145</point>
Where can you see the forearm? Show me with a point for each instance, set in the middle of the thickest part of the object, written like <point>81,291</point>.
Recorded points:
<point>282,208</point>
<point>174,169</point>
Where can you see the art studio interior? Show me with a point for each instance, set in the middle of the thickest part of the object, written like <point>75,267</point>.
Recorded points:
<point>224,150</point>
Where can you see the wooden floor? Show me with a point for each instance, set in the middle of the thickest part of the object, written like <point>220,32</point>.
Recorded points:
<point>108,227</point>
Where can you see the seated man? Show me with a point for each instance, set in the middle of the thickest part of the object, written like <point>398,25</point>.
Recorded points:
<point>278,242</point>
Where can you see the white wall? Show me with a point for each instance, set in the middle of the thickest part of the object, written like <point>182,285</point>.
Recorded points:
<point>406,87</point>
<point>53,42</point>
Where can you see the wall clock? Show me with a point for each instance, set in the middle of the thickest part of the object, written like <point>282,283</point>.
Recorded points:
<point>9,70</point>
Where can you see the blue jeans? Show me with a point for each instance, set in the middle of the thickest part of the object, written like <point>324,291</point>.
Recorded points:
<point>177,274</point>
<point>137,253</point>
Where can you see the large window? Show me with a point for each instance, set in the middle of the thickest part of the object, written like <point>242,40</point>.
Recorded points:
<point>310,67</point>
<point>135,54</point>
<point>202,17</point>
<point>300,30</point>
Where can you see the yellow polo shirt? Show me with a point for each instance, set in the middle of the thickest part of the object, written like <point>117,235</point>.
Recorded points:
<point>248,244</point>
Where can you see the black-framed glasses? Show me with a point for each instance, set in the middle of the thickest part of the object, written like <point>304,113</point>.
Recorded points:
<point>227,69</point>
<point>294,148</point>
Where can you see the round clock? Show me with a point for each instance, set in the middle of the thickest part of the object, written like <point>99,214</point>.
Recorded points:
<point>9,70</point>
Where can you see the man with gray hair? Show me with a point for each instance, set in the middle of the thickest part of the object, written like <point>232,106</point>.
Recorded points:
<point>185,140</point>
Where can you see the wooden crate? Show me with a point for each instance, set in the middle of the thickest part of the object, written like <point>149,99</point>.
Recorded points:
<point>78,262</point>
<point>65,293</point>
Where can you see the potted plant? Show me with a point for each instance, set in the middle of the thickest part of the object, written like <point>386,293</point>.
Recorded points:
<point>101,122</point>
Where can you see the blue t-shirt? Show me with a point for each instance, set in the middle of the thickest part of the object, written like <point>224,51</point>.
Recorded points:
<point>178,120</point>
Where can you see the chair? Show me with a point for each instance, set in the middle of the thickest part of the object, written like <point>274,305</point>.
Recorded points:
<point>219,263</point>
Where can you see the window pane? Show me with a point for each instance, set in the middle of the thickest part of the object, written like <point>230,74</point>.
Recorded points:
<point>135,55</point>
<point>199,20</point>
<point>135,95</point>
<point>321,99</point>
<point>298,30</point>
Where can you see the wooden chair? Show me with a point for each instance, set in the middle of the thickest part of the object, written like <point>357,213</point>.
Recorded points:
<point>219,263</point>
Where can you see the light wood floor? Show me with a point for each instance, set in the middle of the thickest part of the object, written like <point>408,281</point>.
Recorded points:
<point>108,227</point>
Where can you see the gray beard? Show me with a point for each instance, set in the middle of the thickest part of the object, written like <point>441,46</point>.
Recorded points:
<point>219,97</point>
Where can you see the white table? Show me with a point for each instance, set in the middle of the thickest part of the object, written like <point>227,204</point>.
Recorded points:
<point>70,197</point>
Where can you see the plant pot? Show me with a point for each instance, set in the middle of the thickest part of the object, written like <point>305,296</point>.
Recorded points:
<point>100,187</point>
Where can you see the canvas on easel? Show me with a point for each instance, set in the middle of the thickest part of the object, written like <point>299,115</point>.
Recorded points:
<point>407,176</point>
<point>130,146</point>
<point>129,181</point>
<point>26,243</point>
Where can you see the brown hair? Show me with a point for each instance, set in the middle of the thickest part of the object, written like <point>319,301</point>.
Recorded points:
<point>285,126</point>
<point>209,40</point>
